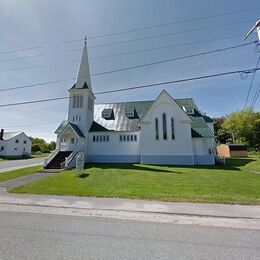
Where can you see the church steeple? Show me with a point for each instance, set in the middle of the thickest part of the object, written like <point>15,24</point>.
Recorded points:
<point>83,77</point>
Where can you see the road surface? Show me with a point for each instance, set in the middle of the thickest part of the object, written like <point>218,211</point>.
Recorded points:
<point>18,164</point>
<point>36,236</point>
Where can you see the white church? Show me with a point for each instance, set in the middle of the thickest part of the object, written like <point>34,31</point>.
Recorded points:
<point>162,131</point>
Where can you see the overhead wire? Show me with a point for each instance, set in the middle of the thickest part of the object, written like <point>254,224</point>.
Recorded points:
<point>132,67</point>
<point>165,24</point>
<point>248,71</point>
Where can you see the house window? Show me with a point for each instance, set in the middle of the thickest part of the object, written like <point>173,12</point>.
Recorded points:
<point>76,117</point>
<point>24,142</point>
<point>107,138</point>
<point>209,151</point>
<point>24,149</point>
<point>172,127</point>
<point>2,148</point>
<point>90,103</point>
<point>72,140</point>
<point>124,138</point>
<point>97,138</point>
<point>132,138</point>
<point>156,129</point>
<point>17,141</point>
<point>164,126</point>
<point>15,149</point>
<point>81,101</point>
<point>79,118</point>
<point>120,138</point>
<point>127,137</point>
<point>135,138</point>
<point>94,138</point>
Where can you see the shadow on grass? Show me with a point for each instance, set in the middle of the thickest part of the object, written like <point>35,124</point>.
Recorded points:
<point>163,168</point>
<point>239,161</point>
<point>84,175</point>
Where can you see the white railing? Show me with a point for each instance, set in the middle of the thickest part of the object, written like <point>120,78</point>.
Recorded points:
<point>51,156</point>
<point>68,160</point>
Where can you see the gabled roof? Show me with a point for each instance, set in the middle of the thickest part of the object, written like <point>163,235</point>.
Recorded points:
<point>64,124</point>
<point>10,135</point>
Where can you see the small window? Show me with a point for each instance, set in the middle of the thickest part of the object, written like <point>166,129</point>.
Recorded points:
<point>132,138</point>
<point>17,141</point>
<point>124,138</point>
<point>73,119</point>
<point>24,142</point>
<point>209,151</point>
<point>120,138</point>
<point>76,117</point>
<point>15,149</point>
<point>128,138</point>
<point>72,140</point>
<point>79,118</point>
<point>2,148</point>
<point>97,138</point>
<point>135,138</point>
<point>107,138</point>
<point>94,138</point>
<point>104,138</point>
<point>24,149</point>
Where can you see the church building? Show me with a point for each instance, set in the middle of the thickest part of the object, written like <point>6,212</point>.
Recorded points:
<point>161,131</point>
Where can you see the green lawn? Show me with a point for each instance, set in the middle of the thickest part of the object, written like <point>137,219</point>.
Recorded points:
<point>4,176</point>
<point>221,184</point>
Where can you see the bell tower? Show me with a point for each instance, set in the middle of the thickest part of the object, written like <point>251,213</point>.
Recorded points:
<point>81,102</point>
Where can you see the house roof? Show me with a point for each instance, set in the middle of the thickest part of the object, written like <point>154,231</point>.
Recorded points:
<point>10,135</point>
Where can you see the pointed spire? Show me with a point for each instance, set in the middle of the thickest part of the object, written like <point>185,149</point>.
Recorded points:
<point>83,78</point>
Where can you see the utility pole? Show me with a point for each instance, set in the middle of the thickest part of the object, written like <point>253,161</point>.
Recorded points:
<point>256,28</point>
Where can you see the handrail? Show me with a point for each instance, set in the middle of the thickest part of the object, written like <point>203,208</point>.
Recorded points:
<point>51,156</point>
<point>69,159</point>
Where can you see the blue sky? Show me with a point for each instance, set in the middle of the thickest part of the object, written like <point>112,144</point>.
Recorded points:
<point>48,24</point>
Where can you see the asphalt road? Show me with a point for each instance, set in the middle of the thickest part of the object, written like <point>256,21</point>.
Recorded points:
<point>35,236</point>
<point>18,164</point>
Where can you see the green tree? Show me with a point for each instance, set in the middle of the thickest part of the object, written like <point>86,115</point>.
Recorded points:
<point>221,134</point>
<point>244,126</point>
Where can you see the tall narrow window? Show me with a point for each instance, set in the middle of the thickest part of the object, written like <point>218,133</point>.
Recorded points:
<point>156,129</point>
<point>81,101</point>
<point>164,126</point>
<point>74,101</point>
<point>172,127</point>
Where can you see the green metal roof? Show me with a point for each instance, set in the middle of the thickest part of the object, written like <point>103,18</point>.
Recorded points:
<point>200,128</point>
<point>95,127</point>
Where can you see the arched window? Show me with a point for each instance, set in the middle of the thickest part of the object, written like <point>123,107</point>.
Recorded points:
<point>164,126</point>
<point>172,127</point>
<point>156,129</point>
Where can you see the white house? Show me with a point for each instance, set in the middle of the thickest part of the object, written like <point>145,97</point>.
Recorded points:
<point>14,144</point>
<point>161,131</point>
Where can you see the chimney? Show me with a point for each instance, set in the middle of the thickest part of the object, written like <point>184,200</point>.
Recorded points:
<point>2,134</point>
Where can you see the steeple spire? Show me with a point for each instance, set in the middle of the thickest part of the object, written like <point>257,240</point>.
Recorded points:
<point>83,78</point>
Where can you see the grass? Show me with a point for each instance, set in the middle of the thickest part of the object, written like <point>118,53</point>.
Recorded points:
<point>4,176</point>
<point>233,183</point>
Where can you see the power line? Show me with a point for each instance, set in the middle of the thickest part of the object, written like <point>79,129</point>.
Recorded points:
<point>166,24</point>
<point>134,67</point>
<point>22,68</point>
<point>248,71</point>
<point>163,47</point>
<point>19,50</point>
<point>11,126</point>
<point>251,83</point>
<point>256,96</point>
<point>165,34</point>
<point>21,58</point>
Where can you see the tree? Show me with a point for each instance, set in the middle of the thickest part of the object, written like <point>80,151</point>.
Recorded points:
<point>39,144</point>
<point>221,134</point>
<point>244,126</point>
